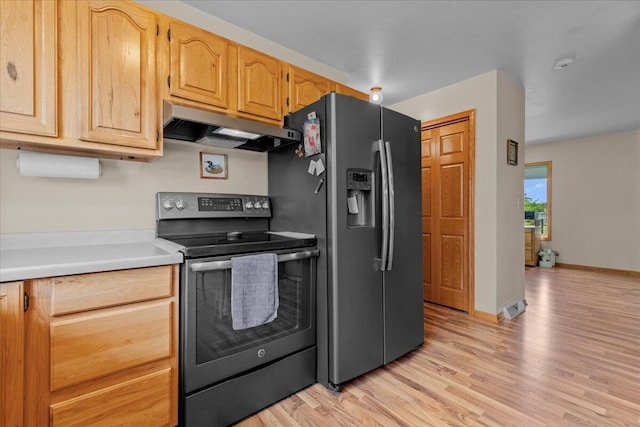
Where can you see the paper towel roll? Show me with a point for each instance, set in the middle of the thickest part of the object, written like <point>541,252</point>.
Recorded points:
<point>57,166</point>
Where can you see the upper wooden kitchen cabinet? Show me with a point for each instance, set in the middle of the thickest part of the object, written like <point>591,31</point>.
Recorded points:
<point>346,90</point>
<point>259,81</point>
<point>305,87</point>
<point>80,78</point>
<point>117,66</point>
<point>28,54</point>
<point>11,353</point>
<point>198,65</point>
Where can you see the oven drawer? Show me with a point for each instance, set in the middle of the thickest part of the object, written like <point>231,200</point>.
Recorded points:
<point>72,294</point>
<point>232,400</point>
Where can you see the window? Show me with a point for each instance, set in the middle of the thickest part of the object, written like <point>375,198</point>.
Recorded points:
<point>537,197</point>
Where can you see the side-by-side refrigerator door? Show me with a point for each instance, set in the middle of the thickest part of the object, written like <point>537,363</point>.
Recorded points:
<point>355,282</point>
<point>403,307</point>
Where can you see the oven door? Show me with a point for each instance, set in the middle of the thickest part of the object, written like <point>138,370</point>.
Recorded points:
<point>211,350</point>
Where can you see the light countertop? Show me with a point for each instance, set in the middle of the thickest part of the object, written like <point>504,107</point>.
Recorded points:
<point>38,255</point>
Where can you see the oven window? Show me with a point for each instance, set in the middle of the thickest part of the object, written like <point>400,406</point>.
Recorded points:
<point>215,338</point>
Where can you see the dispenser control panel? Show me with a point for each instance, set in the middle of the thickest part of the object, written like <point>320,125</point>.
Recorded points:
<point>359,180</point>
<point>360,198</point>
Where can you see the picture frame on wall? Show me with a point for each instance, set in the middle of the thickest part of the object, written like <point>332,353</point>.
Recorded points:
<point>512,152</point>
<point>213,166</point>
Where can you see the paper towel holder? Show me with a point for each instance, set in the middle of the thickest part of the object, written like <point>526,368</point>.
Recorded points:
<point>47,165</point>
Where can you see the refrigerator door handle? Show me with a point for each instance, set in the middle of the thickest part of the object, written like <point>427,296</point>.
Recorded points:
<point>385,204</point>
<point>392,207</point>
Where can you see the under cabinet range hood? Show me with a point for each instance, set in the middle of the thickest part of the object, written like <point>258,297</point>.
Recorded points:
<point>205,127</point>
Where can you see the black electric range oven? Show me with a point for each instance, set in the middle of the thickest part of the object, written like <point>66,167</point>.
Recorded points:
<point>227,374</point>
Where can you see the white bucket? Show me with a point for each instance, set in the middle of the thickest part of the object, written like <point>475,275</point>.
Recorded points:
<point>551,262</point>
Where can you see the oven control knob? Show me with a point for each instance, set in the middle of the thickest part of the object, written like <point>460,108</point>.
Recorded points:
<point>168,204</point>
<point>180,204</point>
<point>265,205</point>
<point>249,205</point>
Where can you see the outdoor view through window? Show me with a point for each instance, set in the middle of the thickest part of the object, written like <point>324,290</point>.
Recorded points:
<point>537,197</point>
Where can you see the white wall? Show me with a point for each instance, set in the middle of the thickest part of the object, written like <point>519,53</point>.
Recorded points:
<point>123,197</point>
<point>485,93</point>
<point>595,199</point>
<point>510,197</point>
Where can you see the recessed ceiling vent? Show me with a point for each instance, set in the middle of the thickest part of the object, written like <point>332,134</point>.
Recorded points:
<point>563,63</point>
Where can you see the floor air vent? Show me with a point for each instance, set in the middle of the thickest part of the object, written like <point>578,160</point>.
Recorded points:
<point>514,308</point>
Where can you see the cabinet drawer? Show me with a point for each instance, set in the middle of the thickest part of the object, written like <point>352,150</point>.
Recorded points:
<point>528,256</point>
<point>84,347</point>
<point>71,294</point>
<point>527,237</point>
<point>145,401</point>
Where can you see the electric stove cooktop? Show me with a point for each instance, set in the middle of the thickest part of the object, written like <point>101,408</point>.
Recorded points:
<point>238,242</point>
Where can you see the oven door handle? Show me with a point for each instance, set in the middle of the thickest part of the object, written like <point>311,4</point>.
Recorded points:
<point>226,264</point>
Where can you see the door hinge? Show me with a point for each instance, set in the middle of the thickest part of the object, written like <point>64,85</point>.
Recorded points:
<point>169,34</point>
<point>169,80</point>
<point>25,301</point>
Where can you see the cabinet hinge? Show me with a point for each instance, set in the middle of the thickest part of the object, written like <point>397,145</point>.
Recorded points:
<point>25,300</point>
<point>287,101</point>
<point>169,34</point>
<point>287,77</point>
<point>169,80</point>
<point>157,30</point>
<point>157,135</point>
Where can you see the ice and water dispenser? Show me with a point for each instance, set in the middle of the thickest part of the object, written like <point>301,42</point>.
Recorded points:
<point>360,198</point>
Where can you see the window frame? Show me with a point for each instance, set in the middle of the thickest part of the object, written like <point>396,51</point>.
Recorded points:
<point>548,164</point>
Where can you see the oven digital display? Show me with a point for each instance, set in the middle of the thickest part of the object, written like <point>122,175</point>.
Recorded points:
<point>359,177</point>
<point>219,204</point>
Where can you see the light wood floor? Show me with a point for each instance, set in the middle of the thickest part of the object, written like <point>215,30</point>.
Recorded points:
<point>573,358</point>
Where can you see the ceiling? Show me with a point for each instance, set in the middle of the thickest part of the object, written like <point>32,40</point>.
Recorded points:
<point>414,47</point>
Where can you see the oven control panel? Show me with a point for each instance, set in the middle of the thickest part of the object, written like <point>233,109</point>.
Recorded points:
<point>211,205</point>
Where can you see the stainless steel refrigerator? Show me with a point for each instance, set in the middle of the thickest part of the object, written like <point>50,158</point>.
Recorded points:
<point>365,209</point>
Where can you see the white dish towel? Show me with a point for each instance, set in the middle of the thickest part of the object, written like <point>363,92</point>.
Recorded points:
<point>254,290</point>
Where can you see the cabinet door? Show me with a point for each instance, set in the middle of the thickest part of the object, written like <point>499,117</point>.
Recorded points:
<point>11,353</point>
<point>28,51</point>
<point>117,62</point>
<point>305,88</point>
<point>198,65</point>
<point>346,90</point>
<point>259,80</point>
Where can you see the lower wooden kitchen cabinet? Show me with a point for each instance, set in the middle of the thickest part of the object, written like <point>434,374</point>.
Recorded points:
<point>531,246</point>
<point>11,353</point>
<point>101,349</point>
